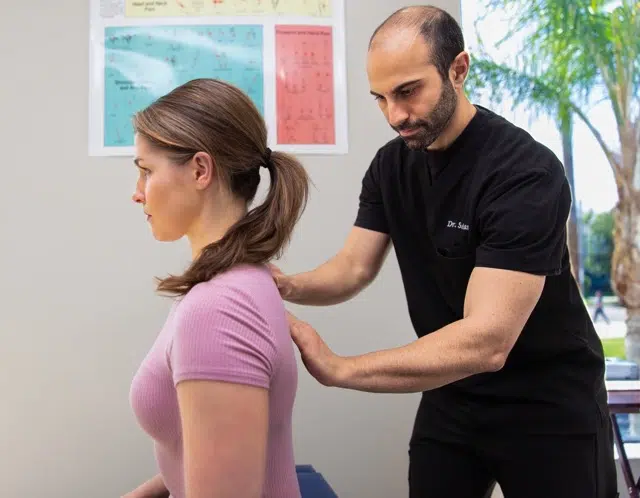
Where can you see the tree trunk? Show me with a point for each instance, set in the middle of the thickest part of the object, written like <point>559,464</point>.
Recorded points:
<point>625,262</point>
<point>566,130</point>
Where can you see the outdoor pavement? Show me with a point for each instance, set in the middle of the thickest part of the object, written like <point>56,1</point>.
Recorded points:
<point>617,327</point>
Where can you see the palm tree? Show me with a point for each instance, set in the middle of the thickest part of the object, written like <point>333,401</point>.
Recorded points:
<point>575,51</point>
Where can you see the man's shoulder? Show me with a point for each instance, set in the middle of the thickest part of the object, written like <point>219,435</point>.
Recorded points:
<point>508,149</point>
<point>501,135</point>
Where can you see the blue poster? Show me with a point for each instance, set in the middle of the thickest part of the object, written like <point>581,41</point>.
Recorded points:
<point>144,63</point>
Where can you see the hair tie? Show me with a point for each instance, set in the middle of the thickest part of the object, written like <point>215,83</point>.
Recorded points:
<point>266,160</point>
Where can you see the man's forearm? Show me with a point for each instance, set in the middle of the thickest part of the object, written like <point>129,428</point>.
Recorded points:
<point>447,355</point>
<point>334,282</point>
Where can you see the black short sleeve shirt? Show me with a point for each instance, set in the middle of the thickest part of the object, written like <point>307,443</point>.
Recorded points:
<point>521,221</point>
<point>495,198</point>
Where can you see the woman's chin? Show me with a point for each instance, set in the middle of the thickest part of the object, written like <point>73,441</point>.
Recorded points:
<point>161,236</point>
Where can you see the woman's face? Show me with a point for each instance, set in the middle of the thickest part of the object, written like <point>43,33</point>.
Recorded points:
<point>167,192</point>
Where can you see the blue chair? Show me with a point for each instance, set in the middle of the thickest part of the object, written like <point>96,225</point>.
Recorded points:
<point>304,469</point>
<point>312,484</point>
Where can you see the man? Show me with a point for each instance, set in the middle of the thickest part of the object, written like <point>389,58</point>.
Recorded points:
<point>507,359</point>
<point>599,309</point>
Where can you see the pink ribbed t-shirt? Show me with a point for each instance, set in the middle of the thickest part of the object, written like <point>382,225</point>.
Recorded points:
<point>232,328</point>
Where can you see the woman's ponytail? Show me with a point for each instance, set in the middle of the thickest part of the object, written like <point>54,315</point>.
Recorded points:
<point>261,235</point>
<point>269,226</point>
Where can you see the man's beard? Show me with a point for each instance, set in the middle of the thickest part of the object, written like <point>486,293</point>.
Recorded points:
<point>431,128</point>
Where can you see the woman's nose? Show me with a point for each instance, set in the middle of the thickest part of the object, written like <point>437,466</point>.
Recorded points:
<point>138,197</point>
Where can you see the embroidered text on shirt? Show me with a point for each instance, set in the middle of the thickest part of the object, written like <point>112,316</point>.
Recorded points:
<point>459,225</point>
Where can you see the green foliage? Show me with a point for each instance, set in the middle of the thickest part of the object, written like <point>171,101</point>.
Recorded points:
<point>571,51</point>
<point>598,249</point>
<point>614,348</point>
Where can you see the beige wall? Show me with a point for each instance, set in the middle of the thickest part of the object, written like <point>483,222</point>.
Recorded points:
<point>76,266</point>
<point>77,301</point>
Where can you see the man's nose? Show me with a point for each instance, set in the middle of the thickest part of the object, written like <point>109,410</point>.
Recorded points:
<point>397,115</point>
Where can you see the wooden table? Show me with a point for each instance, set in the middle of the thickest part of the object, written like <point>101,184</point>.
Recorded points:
<point>624,397</point>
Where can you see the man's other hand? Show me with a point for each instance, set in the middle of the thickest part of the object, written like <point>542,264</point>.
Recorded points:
<point>283,282</point>
<point>319,360</point>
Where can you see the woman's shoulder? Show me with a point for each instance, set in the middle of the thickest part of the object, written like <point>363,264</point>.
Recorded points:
<point>243,285</point>
<point>225,329</point>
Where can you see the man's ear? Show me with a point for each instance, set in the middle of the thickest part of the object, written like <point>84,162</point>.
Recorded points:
<point>459,69</point>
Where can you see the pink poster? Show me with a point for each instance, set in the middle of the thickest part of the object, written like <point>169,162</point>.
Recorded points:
<point>304,85</point>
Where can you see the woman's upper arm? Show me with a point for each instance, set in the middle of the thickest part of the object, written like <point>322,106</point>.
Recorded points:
<point>225,427</point>
<point>222,358</point>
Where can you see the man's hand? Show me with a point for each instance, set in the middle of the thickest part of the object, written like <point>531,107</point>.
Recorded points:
<point>283,282</point>
<point>319,360</point>
<point>342,277</point>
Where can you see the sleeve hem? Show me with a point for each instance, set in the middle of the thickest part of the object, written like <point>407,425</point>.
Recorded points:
<point>371,225</point>
<point>222,376</point>
<point>516,264</point>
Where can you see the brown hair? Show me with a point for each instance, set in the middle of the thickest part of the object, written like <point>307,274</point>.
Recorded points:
<point>215,117</point>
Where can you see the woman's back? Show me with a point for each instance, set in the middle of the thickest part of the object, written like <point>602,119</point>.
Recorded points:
<point>232,329</point>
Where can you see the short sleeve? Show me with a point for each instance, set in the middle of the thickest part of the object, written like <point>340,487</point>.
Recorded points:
<point>522,221</point>
<point>371,214</point>
<point>219,334</point>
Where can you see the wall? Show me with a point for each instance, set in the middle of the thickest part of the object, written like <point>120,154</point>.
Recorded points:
<point>77,262</point>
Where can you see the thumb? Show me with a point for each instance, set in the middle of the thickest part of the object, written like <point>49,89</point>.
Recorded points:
<point>277,275</point>
<point>291,318</point>
<point>274,269</point>
<point>297,338</point>
<point>295,330</point>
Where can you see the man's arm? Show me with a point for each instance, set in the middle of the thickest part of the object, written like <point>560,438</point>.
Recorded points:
<point>343,276</point>
<point>497,306</point>
<point>360,259</point>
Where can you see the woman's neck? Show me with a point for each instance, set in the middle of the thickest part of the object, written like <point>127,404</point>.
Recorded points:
<point>213,226</point>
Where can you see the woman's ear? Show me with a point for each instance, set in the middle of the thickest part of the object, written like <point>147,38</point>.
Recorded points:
<point>203,168</point>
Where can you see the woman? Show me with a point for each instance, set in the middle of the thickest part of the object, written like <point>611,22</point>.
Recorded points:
<point>216,390</point>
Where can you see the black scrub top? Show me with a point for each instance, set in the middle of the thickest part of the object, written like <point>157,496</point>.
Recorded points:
<point>495,198</point>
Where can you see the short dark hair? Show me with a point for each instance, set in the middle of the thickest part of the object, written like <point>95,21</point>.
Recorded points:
<point>437,27</point>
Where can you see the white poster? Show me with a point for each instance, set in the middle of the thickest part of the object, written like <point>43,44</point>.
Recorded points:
<point>288,56</point>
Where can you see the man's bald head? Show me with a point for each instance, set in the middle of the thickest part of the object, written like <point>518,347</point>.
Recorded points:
<point>437,28</point>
